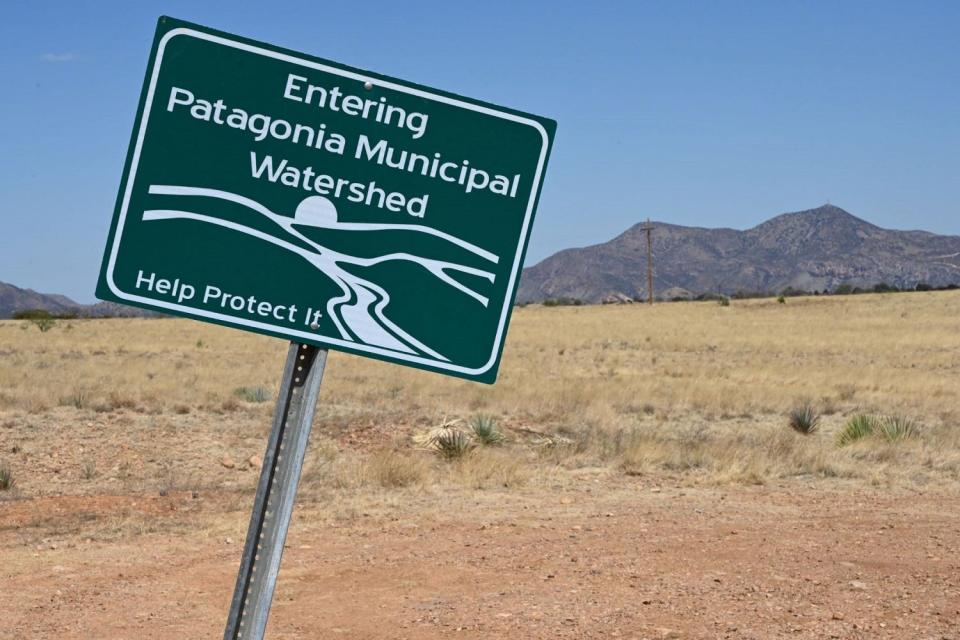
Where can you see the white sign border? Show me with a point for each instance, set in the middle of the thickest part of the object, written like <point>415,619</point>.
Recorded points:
<point>292,333</point>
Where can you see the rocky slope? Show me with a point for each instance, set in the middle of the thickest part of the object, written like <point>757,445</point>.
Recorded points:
<point>814,250</point>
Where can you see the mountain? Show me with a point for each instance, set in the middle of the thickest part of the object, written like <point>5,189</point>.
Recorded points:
<point>14,299</point>
<point>813,250</point>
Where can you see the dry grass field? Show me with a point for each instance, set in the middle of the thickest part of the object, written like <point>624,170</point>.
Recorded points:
<point>648,483</point>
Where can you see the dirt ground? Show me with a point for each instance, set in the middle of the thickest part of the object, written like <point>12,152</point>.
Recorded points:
<point>649,484</point>
<point>607,557</point>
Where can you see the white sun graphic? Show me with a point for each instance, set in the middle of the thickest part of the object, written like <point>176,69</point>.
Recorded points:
<point>316,211</point>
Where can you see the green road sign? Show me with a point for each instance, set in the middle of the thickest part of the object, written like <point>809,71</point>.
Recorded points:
<point>284,194</point>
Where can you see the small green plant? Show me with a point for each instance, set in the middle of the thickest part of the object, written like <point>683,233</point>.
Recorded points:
<point>485,429</point>
<point>89,470</point>
<point>724,301</point>
<point>78,399</point>
<point>44,324</point>
<point>804,418</point>
<point>858,427</point>
<point>452,443</point>
<point>6,478</point>
<point>782,299</point>
<point>40,318</point>
<point>199,344</point>
<point>252,394</point>
<point>897,428</point>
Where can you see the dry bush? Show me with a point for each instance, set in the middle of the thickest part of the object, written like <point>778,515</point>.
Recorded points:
<point>387,468</point>
<point>487,468</point>
<point>391,468</point>
<point>804,418</point>
<point>587,445</point>
<point>740,455</point>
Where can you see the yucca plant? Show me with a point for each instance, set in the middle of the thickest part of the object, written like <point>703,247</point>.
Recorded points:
<point>897,428</point>
<point>89,470</point>
<point>858,427</point>
<point>485,429</point>
<point>804,418</point>
<point>452,443</point>
<point>6,478</point>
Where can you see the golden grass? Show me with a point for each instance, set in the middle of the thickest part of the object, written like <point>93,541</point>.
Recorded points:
<point>691,388</point>
<point>887,352</point>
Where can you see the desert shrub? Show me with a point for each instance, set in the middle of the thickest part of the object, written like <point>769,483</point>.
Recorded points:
<point>846,392</point>
<point>575,446</point>
<point>452,443</point>
<point>896,428</point>
<point>77,399</point>
<point>486,468</point>
<point>114,401</point>
<point>724,301</point>
<point>562,302</point>
<point>485,430</point>
<point>804,418</point>
<point>556,448</point>
<point>6,478</point>
<point>391,469</point>
<point>782,299</point>
<point>252,394</point>
<point>229,404</point>
<point>89,470</point>
<point>32,314</point>
<point>858,427</point>
<point>43,323</point>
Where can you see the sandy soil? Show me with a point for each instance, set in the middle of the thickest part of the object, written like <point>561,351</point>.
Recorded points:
<point>609,557</point>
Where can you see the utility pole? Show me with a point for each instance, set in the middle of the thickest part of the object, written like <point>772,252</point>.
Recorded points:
<point>649,229</point>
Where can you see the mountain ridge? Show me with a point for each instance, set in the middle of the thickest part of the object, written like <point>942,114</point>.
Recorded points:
<point>814,250</point>
<point>14,299</point>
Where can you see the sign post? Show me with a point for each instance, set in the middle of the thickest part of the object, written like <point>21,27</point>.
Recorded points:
<point>337,208</point>
<point>273,505</point>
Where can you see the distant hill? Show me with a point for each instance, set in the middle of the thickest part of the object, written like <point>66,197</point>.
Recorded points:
<point>14,299</point>
<point>814,250</point>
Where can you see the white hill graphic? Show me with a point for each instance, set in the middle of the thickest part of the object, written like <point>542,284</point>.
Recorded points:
<point>359,311</point>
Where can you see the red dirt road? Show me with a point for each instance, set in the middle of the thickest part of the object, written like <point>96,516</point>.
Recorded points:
<point>611,559</point>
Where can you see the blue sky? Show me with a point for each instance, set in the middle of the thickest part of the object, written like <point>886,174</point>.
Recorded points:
<point>699,113</point>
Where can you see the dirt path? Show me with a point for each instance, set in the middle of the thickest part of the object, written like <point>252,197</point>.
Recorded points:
<point>630,561</point>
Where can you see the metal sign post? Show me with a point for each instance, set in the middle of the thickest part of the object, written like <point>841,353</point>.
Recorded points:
<point>276,491</point>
